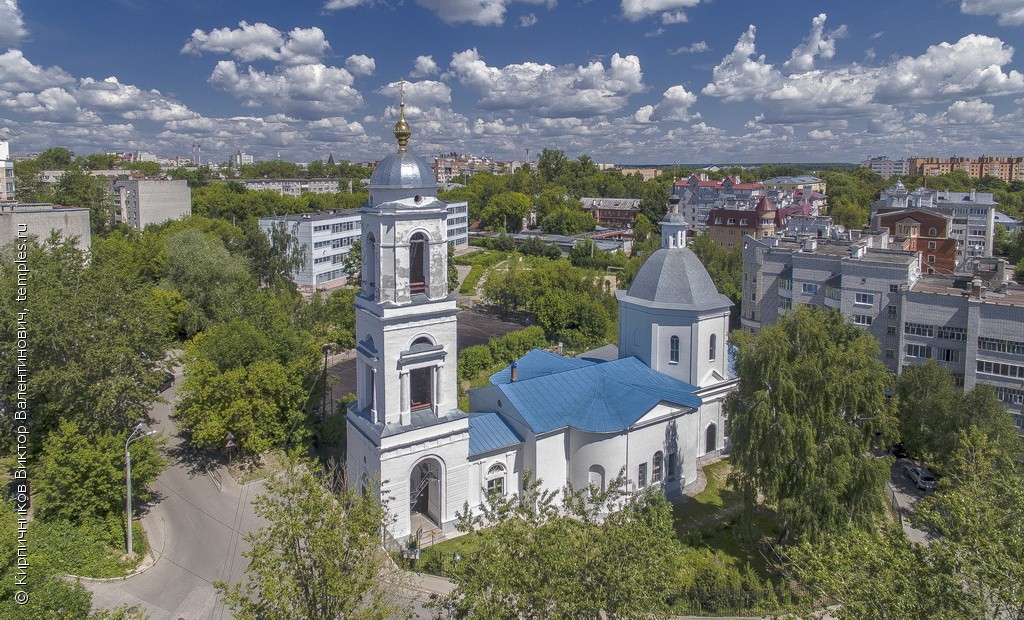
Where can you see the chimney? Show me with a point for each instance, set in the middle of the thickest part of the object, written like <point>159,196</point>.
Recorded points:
<point>515,372</point>
<point>976,288</point>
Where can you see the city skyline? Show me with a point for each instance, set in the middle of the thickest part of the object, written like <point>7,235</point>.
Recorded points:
<point>638,81</point>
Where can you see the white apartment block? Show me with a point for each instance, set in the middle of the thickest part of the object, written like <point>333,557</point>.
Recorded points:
<point>292,187</point>
<point>39,220</point>
<point>885,167</point>
<point>6,172</point>
<point>969,324</point>
<point>240,159</point>
<point>141,202</point>
<point>328,236</point>
<point>973,215</point>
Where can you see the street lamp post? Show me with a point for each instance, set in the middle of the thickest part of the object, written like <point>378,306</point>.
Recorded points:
<point>128,477</point>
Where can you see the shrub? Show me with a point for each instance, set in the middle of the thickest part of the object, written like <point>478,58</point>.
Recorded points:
<point>474,360</point>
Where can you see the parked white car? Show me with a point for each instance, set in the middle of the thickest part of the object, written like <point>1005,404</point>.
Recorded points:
<point>922,477</point>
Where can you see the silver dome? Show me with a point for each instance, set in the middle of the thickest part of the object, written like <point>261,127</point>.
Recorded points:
<point>675,278</point>
<point>401,171</point>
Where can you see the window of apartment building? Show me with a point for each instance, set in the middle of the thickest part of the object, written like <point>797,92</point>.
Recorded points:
<point>718,221</point>
<point>321,244</point>
<point>919,350</point>
<point>732,221</point>
<point>862,319</point>
<point>919,329</point>
<point>952,333</point>
<point>743,222</point>
<point>323,228</point>
<point>932,245</point>
<point>1009,395</point>
<point>894,288</point>
<point>786,284</point>
<point>864,299</point>
<point>1003,370</point>
<point>753,295</point>
<point>931,233</point>
<point>891,311</point>
<point>810,288</point>
<point>950,355</point>
<point>321,260</point>
<point>890,354</point>
<point>890,330</point>
<point>1001,346</point>
<point>786,303</point>
<point>931,259</point>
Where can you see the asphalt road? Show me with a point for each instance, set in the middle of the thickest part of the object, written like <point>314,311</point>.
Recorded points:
<point>195,532</point>
<point>474,328</point>
<point>906,494</point>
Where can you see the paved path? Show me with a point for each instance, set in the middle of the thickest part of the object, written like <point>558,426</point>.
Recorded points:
<point>195,531</point>
<point>906,494</point>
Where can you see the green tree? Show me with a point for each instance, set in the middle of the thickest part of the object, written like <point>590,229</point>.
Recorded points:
<point>319,555</point>
<point>847,213</point>
<point>534,563</point>
<point>77,188</point>
<point>80,477</point>
<point>275,255</point>
<point>568,222</point>
<point>811,397</point>
<point>148,168</point>
<point>99,161</point>
<point>353,263</point>
<point>551,164</point>
<point>56,158</point>
<point>505,211</point>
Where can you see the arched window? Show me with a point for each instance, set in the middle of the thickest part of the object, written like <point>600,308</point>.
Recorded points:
<point>496,479</point>
<point>673,350</point>
<point>659,467</point>
<point>418,265</point>
<point>369,274</point>
<point>596,477</point>
<point>713,347</point>
<point>711,439</point>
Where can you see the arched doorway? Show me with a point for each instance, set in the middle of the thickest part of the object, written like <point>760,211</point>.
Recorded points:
<point>711,439</point>
<point>596,477</point>
<point>425,490</point>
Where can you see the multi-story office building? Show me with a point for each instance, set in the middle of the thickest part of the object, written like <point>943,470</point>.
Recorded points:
<point>327,238</point>
<point>970,324</point>
<point>141,202</point>
<point>973,215</point>
<point>885,167</point>
<point>240,159</point>
<point>6,172</point>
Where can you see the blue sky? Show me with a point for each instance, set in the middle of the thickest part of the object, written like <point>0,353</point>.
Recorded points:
<point>637,81</point>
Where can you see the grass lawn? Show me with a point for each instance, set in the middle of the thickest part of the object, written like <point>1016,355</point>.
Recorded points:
<point>711,519</point>
<point>438,558</point>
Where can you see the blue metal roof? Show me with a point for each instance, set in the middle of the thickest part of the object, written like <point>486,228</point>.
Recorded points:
<point>598,397</point>
<point>488,432</point>
<point>538,363</point>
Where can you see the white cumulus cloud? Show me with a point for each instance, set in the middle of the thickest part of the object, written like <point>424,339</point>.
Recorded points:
<point>693,48</point>
<point>12,24</point>
<point>423,66</point>
<point>817,44</point>
<point>251,42</point>
<point>674,106</point>
<point>360,64</point>
<point>306,91</point>
<point>476,12</point>
<point>1009,12</point>
<point>551,91</point>
<point>670,10</point>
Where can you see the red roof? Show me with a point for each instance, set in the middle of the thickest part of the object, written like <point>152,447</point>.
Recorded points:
<point>764,205</point>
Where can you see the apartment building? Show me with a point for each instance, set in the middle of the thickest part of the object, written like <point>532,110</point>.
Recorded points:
<point>698,195</point>
<point>727,227</point>
<point>806,183</point>
<point>887,168</point>
<point>40,220</point>
<point>970,324</point>
<point>141,202</point>
<point>327,238</point>
<point>925,231</point>
<point>973,215</point>
<point>292,187</point>
<point>6,172</point>
<point>1005,168</point>
<point>613,212</point>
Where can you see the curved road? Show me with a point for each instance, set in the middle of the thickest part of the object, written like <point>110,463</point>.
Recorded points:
<point>195,533</point>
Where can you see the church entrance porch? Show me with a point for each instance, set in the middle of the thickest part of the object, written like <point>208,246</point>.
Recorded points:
<point>425,494</point>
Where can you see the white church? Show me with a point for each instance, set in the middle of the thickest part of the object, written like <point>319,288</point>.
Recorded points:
<point>654,410</point>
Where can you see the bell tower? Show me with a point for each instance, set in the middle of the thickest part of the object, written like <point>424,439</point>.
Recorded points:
<point>405,317</point>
